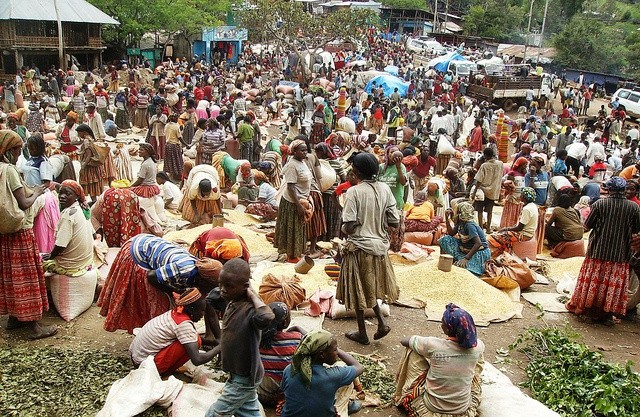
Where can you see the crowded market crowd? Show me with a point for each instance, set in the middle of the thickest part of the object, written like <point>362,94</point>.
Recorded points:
<point>322,158</point>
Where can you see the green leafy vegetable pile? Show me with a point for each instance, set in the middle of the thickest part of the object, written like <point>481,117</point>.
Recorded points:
<point>376,379</point>
<point>57,382</point>
<point>575,381</point>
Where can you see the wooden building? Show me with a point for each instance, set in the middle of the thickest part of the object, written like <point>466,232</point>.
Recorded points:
<point>29,34</point>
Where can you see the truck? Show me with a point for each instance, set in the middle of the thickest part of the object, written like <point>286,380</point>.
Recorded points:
<point>508,92</point>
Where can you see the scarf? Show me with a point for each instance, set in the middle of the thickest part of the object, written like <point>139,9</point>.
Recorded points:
<point>314,342</point>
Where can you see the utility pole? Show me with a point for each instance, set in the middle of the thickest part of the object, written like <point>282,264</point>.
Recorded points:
<point>62,61</point>
<point>526,39</point>
<point>435,17</point>
<point>446,16</point>
<point>544,20</point>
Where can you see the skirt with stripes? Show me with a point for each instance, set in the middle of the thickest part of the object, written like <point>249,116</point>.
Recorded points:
<point>206,209</point>
<point>317,226</point>
<point>92,179</point>
<point>332,215</point>
<point>23,293</point>
<point>291,230</point>
<point>146,191</point>
<point>127,299</point>
<point>365,278</point>
<point>173,160</point>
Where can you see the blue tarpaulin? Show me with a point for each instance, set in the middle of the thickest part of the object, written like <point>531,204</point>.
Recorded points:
<point>443,63</point>
<point>388,83</point>
<point>392,69</point>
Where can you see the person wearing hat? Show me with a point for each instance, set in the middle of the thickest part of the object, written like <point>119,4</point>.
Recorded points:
<point>503,240</point>
<point>172,338</point>
<point>601,290</point>
<point>598,169</point>
<point>144,271</point>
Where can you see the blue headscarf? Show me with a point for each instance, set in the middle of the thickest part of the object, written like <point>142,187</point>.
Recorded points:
<point>616,184</point>
<point>529,194</point>
<point>460,325</point>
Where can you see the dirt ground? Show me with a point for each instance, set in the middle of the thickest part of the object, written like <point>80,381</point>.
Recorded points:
<point>618,344</point>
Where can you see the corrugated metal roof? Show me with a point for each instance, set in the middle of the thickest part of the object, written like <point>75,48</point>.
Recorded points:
<point>70,11</point>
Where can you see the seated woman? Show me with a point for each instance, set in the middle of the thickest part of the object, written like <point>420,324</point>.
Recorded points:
<point>246,184</point>
<point>171,338</point>
<point>277,346</point>
<point>584,208</point>
<point>420,217</point>
<point>201,199</point>
<point>470,249</point>
<point>145,272</point>
<point>565,224</point>
<point>502,240</point>
<point>310,386</point>
<point>266,205</point>
<point>72,254</point>
<point>118,217</point>
<point>441,377</point>
<point>171,194</point>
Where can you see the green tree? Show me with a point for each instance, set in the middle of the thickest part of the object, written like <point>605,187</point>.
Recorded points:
<point>497,19</point>
<point>168,17</point>
<point>406,4</point>
<point>289,26</point>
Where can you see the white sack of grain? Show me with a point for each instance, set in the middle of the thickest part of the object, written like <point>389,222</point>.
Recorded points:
<point>500,398</point>
<point>72,296</point>
<point>139,390</point>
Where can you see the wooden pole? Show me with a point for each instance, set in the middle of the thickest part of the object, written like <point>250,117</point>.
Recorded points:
<point>62,61</point>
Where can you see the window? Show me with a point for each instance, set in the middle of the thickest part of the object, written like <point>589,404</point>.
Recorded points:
<point>635,97</point>
<point>623,94</point>
<point>42,29</point>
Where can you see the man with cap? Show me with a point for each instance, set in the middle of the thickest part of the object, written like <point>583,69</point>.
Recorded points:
<point>172,338</point>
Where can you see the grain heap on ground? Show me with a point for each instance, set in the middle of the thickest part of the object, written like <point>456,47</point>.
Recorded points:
<point>427,283</point>
<point>239,218</point>
<point>559,267</point>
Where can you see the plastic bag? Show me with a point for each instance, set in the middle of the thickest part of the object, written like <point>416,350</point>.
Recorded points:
<point>285,289</point>
<point>445,147</point>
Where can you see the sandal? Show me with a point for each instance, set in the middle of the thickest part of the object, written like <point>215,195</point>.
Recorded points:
<point>381,332</point>
<point>356,337</point>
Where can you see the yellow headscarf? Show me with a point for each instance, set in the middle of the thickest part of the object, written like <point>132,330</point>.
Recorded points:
<point>9,140</point>
<point>224,249</point>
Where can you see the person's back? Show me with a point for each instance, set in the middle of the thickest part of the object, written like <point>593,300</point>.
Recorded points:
<point>450,373</point>
<point>490,178</point>
<point>75,234</point>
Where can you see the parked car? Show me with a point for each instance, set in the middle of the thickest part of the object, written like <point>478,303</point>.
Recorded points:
<point>429,47</point>
<point>629,100</point>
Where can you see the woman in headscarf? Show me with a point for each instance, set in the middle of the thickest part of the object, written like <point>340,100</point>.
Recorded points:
<point>366,273</point>
<point>146,187</point>
<point>331,207</point>
<point>266,205</point>
<point>171,338</point>
<point>503,240</point>
<point>317,125</point>
<point>513,183</point>
<point>72,254</point>
<point>221,244</point>
<point>277,347</point>
<point>601,291</point>
<point>146,271</point>
<point>421,216</point>
<point>291,228</point>
<point>271,165</point>
<point>465,239</point>
<point>584,208</point>
<point>393,173</point>
<point>23,293</point>
<point>312,387</point>
<point>92,172</point>
<point>14,122</point>
<point>68,137</point>
<point>441,377</point>
<point>201,199</point>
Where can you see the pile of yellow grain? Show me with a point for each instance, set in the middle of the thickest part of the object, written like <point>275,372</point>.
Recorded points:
<point>559,267</point>
<point>239,218</point>
<point>186,235</point>
<point>426,282</point>
<point>315,279</point>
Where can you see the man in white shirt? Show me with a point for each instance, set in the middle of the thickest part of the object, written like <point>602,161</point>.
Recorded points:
<point>576,153</point>
<point>634,133</point>
<point>595,148</point>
